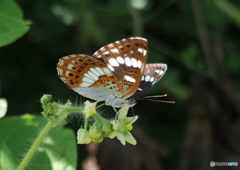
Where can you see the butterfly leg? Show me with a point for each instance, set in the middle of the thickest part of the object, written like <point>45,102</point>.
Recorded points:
<point>117,112</point>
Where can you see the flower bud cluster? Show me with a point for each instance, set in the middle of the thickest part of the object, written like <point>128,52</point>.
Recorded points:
<point>102,127</point>
<point>49,108</point>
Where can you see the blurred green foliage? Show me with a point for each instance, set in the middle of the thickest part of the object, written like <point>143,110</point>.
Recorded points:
<point>179,34</point>
<point>12,25</point>
<point>58,150</point>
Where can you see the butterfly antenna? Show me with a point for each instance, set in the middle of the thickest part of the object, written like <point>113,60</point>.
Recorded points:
<point>156,96</point>
<point>163,95</point>
<point>162,101</point>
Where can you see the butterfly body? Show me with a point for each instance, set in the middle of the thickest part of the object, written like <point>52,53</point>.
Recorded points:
<point>117,73</point>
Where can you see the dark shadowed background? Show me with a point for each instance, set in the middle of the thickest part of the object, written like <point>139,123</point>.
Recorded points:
<point>198,40</point>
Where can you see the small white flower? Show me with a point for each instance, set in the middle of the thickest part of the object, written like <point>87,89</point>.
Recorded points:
<point>123,125</point>
<point>89,109</point>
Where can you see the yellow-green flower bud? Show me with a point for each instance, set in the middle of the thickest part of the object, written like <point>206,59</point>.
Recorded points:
<point>107,128</point>
<point>112,134</point>
<point>55,106</point>
<point>46,98</point>
<point>129,121</point>
<point>123,112</point>
<point>100,139</point>
<point>120,137</point>
<point>83,136</point>
<point>95,131</point>
<point>129,138</point>
<point>89,109</point>
<point>115,124</point>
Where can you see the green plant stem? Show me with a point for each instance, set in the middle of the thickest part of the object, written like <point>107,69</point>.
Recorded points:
<point>62,114</point>
<point>85,123</point>
<point>35,145</point>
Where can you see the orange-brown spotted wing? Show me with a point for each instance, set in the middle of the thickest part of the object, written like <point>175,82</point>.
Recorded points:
<point>126,59</point>
<point>89,77</point>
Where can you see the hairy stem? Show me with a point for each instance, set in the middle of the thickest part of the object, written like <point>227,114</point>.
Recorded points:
<point>62,114</point>
<point>35,145</point>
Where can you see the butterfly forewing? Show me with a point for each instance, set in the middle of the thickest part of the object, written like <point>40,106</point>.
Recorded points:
<point>152,74</point>
<point>88,76</point>
<point>126,59</point>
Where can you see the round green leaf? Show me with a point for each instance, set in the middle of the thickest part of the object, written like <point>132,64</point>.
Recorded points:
<point>12,25</point>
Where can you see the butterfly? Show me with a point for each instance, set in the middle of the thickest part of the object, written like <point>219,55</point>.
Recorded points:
<point>116,73</point>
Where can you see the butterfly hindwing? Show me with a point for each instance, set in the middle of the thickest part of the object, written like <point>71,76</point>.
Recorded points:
<point>152,74</point>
